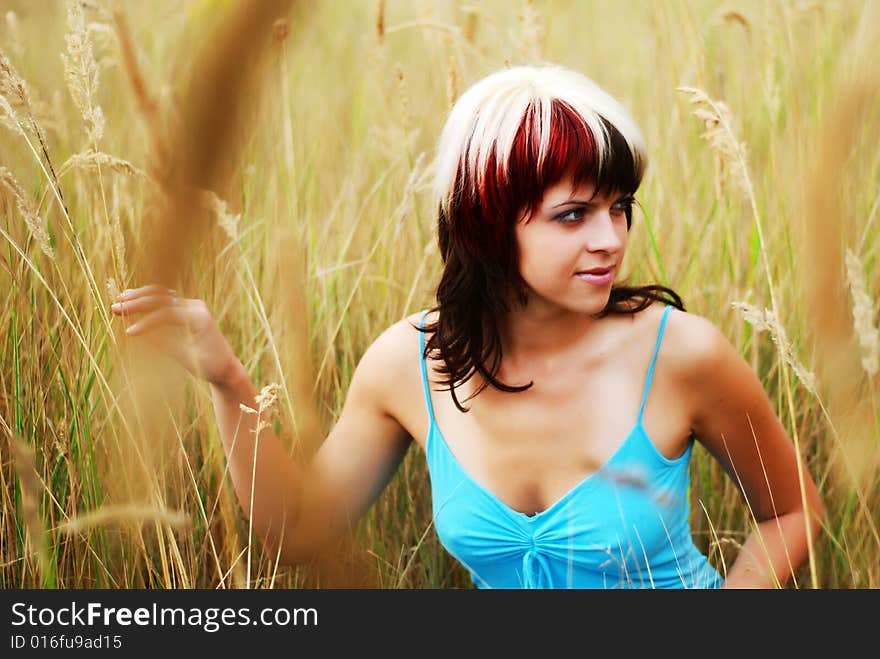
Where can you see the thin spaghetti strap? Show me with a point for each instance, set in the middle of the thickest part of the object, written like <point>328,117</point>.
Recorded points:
<point>425,369</point>
<point>653,361</point>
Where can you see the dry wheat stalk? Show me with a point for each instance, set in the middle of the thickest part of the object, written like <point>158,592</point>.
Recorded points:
<point>9,117</point>
<point>718,132</point>
<point>124,513</point>
<point>158,164</point>
<point>104,43</point>
<point>766,320</point>
<point>81,72</point>
<point>15,96</point>
<point>95,160</point>
<point>265,400</point>
<point>228,222</point>
<point>31,493</point>
<point>36,225</point>
<point>12,88</point>
<point>863,314</point>
<point>113,289</point>
<point>214,116</point>
<point>118,235</point>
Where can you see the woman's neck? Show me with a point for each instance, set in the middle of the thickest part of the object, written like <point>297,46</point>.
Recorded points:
<point>547,336</point>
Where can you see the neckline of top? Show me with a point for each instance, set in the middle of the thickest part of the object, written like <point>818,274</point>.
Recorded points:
<point>582,483</point>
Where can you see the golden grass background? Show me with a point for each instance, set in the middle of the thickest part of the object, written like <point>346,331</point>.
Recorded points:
<point>759,207</point>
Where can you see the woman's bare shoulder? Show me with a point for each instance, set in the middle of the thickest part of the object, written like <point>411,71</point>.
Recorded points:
<point>392,357</point>
<point>692,344</point>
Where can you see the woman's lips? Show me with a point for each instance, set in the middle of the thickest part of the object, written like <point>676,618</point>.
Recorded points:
<point>597,279</point>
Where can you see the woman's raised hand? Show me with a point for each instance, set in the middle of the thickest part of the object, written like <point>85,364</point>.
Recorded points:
<point>182,328</point>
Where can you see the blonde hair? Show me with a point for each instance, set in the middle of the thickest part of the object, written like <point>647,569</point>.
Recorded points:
<point>477,141</point>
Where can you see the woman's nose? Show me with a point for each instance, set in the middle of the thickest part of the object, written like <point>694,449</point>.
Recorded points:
<point>603,235</point>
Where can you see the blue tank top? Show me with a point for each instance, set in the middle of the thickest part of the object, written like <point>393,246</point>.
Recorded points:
<point>623,526</point>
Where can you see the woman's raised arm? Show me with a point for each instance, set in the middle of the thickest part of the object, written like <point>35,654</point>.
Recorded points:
<point>296,509</point>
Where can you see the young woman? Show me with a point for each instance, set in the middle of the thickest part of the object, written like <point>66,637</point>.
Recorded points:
<point>557,411</point>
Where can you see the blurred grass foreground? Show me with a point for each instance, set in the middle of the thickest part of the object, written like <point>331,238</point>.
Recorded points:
<point>308,131</point>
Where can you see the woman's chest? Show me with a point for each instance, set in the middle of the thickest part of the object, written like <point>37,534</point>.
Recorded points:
<point>530,448</point>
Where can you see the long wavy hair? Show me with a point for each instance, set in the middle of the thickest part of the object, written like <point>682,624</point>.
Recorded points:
<point>507,139</point>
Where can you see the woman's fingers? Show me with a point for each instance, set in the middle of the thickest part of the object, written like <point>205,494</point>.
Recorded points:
<point>149,289</point>
<point>143,304</point>
<point>183,329</point>
<point>167,315</point>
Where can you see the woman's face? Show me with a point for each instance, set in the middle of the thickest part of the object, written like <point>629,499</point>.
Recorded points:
<point>570,233</point>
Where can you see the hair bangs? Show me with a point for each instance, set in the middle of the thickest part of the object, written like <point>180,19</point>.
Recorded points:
<point>620,170</point>
<point>572,149</point>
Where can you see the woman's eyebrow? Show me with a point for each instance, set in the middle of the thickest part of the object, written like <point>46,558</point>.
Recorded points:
<point>583,202</point>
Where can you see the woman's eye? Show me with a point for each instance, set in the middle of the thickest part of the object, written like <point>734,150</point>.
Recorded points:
<point>571,216</point>
<point>623,206</point>
<point>577,214</point>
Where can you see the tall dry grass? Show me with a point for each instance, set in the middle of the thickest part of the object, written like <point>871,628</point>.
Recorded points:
<point>311,231</point>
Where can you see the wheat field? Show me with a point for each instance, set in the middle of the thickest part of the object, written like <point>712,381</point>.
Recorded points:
<point>315,230</point>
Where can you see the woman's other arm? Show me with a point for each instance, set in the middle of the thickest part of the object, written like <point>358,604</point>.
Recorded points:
<point>734,418</point>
